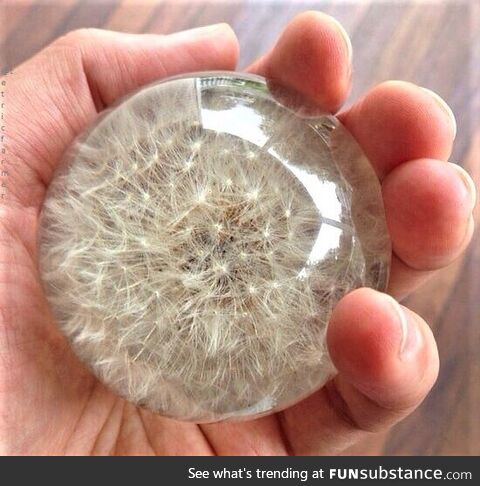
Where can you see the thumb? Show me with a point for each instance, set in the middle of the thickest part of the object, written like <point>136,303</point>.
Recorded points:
<point>387,361</point>
<point>386,356</point>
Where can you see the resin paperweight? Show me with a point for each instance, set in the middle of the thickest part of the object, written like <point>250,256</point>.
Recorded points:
<point>196,238</point>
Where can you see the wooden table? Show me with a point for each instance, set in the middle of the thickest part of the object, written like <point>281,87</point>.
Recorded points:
<point>433,44</point>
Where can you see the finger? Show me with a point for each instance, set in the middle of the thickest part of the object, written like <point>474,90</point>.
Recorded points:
<point>404,279</point>
<point>260,437</point>
<point>54,95</point>
<point>397,121</point>
<point>428,207</point>
<point>312,56</point>
<point>387,362</point>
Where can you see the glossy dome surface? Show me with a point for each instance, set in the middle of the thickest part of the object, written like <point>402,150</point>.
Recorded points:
<point>196,238</point>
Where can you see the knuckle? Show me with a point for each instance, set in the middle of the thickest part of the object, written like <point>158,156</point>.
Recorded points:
<point>77,37</point>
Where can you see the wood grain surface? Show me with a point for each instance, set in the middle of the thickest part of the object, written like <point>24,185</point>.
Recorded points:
<point>434,44</point>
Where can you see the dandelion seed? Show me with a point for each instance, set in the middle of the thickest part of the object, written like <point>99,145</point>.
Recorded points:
<point>222,269</point>
<point>196,145</point>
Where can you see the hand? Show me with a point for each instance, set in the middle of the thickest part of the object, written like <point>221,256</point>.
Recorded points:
<point>386,355</point>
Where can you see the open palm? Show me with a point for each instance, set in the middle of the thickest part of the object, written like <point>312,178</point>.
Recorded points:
<point>386,355</point>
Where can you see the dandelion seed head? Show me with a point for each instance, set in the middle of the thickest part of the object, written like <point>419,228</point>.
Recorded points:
<point>193,261</point>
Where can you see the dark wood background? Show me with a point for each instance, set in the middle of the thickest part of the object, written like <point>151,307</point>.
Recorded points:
<point>434,44</point>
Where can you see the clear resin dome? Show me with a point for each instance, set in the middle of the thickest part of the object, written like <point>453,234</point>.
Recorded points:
<point>196,238</point>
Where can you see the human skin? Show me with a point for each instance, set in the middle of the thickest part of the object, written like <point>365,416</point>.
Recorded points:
<point>385,354</point>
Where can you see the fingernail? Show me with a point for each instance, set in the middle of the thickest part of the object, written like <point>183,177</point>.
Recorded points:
<point>346,38</point>
<point>444,106</point>
<point>206,30</point>
<point>411,337</point>
<point>467,180</point>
